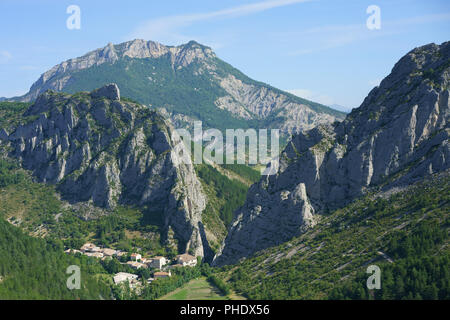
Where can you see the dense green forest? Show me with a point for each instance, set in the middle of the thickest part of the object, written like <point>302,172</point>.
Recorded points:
<point>415,274</point>
<point>224,196</point>
<point>11,114</point>
<point>33,268</point>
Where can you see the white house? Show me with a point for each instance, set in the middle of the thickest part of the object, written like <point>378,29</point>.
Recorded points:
<point>186,260</point>
<point>157,262</point>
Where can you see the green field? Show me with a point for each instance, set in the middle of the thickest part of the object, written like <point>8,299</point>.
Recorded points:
<point>197,289</point>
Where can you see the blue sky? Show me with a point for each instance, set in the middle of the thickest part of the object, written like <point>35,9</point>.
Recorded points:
<point>320,50</point>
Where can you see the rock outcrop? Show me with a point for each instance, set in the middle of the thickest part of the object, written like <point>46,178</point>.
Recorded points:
<point>96,148</point>
<point>398,135</point>
<point>110,91</point>
<point>249,101</point>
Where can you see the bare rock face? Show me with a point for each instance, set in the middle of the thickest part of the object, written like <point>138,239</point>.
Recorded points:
<point>110,91</point>
<point>97,149</point>
<point>398,135</point>
<point>252,101</point>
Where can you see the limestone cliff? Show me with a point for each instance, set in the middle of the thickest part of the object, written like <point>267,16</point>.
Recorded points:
<point>398,135</point>
<point>100,149</point>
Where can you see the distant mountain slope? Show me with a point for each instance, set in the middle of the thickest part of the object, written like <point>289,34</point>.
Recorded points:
<point>397,136</point>
<point>188,82</point>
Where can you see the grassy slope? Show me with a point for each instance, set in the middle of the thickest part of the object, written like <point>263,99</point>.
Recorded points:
<point>340,247</point>
<point>197,289</point>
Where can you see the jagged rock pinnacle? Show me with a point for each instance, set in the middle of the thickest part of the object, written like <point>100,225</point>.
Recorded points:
<point>110,91</point>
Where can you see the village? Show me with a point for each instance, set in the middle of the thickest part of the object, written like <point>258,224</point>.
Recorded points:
<point>161,265</point>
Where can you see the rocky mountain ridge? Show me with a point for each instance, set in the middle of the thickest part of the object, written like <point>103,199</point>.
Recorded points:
<point>187,81</point>
<point>99,149</point>
<point>180,56</point>
<point>397,136</point>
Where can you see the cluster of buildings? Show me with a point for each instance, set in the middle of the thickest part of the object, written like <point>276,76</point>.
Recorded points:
<point>91,250</point>
<point>159,262</point>
<point>132,279</point>
<point>137,262</point>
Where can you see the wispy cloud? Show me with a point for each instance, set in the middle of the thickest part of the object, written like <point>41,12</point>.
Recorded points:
<point>332,36</point>
<point>168,28</point>
<point>329,37</point>
<point>5,56</point>
<point>438,17</point>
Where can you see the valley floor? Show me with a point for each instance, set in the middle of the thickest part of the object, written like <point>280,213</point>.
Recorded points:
<point>199,289</point>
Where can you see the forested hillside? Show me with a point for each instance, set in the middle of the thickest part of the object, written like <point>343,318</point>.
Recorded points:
<point>32,268</point>
<point>405,233</point>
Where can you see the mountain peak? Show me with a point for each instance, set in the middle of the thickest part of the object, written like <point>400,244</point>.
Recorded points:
<point>187,80</point>
<point>182,55</point>
<point>194,44</point>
